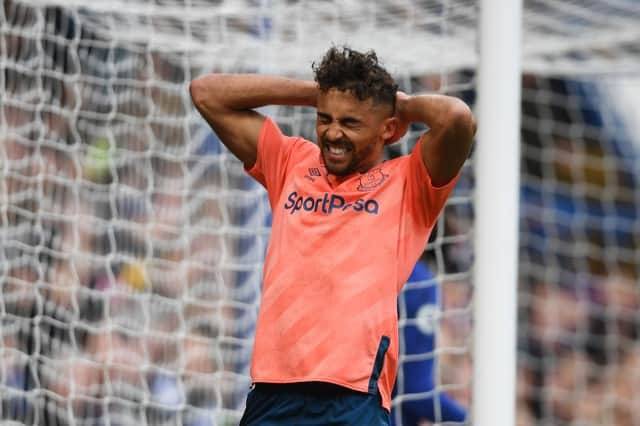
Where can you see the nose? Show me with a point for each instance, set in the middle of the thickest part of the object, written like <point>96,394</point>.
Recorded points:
<point>334,133</point>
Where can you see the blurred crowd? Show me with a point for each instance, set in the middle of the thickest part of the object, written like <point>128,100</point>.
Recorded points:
<point>579,274</point>
<point>131,246</point>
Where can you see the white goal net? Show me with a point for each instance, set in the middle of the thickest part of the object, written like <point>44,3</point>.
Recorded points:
<point>131,241</point>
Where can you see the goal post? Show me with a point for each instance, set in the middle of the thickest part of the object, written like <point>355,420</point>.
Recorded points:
<point>496,201</point>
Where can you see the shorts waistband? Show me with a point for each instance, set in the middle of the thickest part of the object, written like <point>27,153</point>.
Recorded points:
<point>306,388</point>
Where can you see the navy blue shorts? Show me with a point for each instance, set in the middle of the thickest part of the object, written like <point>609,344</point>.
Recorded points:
<point>312,403</point>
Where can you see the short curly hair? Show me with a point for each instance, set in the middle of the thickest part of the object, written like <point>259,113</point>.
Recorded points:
<point>360,73</point>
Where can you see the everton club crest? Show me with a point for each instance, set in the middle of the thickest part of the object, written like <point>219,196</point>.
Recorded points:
<point>371,180</point>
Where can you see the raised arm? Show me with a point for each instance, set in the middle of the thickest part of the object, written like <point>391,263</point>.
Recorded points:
<point>447,143</point>
<point>227,102</point>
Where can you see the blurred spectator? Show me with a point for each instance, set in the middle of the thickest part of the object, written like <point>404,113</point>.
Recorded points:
<point>524,389</point>
<point>615,318</point>
<point>624,385</point>
<point>455,338</point>
<point>568,390</point>
<point>557,316</point>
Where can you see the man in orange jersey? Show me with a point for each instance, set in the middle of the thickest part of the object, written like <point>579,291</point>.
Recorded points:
<point>348,227</point>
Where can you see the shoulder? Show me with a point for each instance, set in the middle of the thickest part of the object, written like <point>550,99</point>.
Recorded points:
<point>272,133</point>
<point>406,164</point>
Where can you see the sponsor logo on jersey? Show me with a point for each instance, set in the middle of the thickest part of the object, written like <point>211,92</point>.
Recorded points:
<point>329,204</point>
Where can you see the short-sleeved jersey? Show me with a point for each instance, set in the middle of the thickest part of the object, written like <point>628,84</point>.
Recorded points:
<point>340,251</point>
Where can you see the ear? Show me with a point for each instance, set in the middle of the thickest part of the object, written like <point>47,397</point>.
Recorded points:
<point>389,128</point>
<point>398,129</point>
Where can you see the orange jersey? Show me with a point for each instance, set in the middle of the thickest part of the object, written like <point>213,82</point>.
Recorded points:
<point>339,253</point>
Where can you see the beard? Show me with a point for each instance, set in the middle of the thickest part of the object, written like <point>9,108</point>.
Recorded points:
<point>342,168</point>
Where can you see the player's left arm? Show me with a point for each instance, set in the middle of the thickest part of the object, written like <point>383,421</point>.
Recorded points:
<point>447,143</point>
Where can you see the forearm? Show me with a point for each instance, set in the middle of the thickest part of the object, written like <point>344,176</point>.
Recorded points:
<point>436,111</point>
<point>248,91</point>
<point>227,102</point>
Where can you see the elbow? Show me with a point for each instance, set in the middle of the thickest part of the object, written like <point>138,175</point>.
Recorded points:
<point>464,121</point>
<point>470,121</point>
<point>197,91</point>
<point>205,92</point>
<point>463,118</point>
<point>473,124</point>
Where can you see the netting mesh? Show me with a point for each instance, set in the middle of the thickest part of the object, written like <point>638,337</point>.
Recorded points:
<point>579,262</point>
<point>131,241</point>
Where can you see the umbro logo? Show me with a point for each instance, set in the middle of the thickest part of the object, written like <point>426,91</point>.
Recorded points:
<point>314,171</point>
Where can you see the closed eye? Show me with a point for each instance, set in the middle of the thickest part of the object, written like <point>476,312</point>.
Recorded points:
<point>351,123</point>
<point>323,118</point>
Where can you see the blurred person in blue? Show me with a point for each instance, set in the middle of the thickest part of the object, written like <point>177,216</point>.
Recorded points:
<point>420,304</point>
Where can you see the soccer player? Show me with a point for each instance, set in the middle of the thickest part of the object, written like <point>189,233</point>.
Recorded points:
<point>420,300</point>
<point>348,227</point>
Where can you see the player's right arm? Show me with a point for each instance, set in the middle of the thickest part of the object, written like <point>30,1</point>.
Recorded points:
<point>227,102</point>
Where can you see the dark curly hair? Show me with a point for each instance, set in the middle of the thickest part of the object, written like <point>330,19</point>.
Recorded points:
<point>360,73</point>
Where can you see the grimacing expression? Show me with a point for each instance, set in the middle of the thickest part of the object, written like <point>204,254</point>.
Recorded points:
<point>351,133</point>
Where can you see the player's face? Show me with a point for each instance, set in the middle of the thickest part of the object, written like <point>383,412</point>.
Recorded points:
<point>351,133</point>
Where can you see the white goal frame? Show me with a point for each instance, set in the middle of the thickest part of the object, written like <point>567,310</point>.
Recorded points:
<point>497,159</point>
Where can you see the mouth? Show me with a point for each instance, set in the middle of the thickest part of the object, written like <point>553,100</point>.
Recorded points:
<point>336,152</point>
